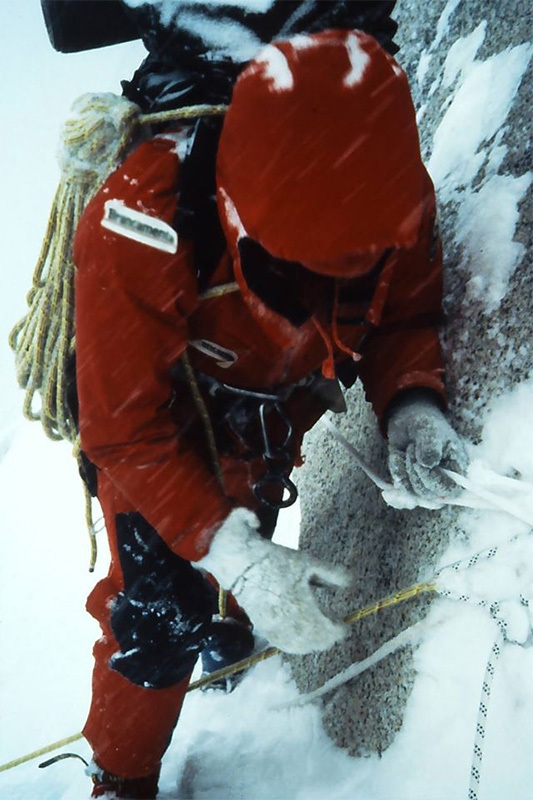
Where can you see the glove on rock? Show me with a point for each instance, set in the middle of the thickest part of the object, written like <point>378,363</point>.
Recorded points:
<point>274,585</point>
<point>421,442</point>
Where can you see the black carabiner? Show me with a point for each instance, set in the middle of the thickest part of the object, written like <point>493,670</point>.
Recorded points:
<point>274,452</point>
<point>270,479</point>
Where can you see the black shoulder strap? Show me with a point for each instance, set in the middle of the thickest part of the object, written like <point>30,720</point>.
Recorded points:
<point>197,216</point>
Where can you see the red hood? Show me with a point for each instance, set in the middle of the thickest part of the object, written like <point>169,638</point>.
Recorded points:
<point>319,158</point>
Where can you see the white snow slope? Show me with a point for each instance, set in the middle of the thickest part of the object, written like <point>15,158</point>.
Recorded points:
<point>252,744</point>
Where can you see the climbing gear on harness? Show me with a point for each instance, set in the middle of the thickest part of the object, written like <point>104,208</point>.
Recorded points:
<point>277,458</point>
<point>259,421</point>
<point>247,410</point>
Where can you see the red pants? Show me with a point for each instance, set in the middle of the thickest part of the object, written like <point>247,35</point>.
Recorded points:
<point>128,727</point>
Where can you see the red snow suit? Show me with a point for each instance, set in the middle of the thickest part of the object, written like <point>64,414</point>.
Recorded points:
<point>319,174</point>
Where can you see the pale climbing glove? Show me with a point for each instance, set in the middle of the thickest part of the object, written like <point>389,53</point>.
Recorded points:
<point>421,443</point>
<point>274,585</point>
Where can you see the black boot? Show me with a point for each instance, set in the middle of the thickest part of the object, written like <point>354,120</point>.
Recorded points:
<point>228,641</point>
<point>113,786</point>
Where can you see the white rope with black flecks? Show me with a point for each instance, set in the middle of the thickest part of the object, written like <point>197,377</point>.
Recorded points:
<point>479,739</point>
<point>494,655</point>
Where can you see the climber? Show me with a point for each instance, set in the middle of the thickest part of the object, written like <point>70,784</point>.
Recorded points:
<point>232,273</point>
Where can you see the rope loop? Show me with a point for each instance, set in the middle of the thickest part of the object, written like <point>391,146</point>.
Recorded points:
<point>95,136</point>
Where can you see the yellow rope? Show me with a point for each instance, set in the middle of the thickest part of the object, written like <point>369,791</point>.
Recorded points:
<point>189,112</point>
<point>373,608</point>
<point>367,611</point>
<point>94,140</point>
<point>206,420</point>
<point>90,527</point>
<point>36,753</point>
<point>219,291</point>
<point>213,452</point>
<point>391,600</point>
<point>89,519</point>
<point>222,603</point>
<point>257,658</point>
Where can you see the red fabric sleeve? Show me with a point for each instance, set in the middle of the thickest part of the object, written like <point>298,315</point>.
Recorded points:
<point>131,306</point>
<point>404,350</point>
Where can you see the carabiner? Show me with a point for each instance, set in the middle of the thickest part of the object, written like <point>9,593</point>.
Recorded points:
<point>270,479</point>
<point>274,452</point>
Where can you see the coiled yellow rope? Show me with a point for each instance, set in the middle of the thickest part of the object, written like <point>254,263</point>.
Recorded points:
<point>94,141</point>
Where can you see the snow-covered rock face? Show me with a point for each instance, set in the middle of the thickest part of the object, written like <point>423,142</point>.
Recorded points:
<point>472,84</point>
<point>467,154</point>
<point>469,65</point>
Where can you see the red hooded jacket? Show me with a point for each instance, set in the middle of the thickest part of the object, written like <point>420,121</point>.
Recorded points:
<point>319,170</point>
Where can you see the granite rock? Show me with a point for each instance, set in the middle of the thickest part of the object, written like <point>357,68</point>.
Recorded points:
<point>445,48</point>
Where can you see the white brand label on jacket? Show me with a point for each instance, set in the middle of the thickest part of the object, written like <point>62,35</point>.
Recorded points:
<point>224,357</point>
<point>140,227</point>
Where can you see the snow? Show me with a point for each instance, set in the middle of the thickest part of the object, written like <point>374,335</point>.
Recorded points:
<point>486,224</point>
<point>234,220</point>
<point>275,68</point>
<point>169,6</point>
<point>227,37</point>
<point>221,34</point>
<point>444,22</point>
<point>467,155</point>
<point>359,61</point>
<point>182,139</point>
<point>246,745</point>
<point>479,109</point>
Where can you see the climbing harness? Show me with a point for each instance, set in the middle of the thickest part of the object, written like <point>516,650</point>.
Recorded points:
<point>249,408</point>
